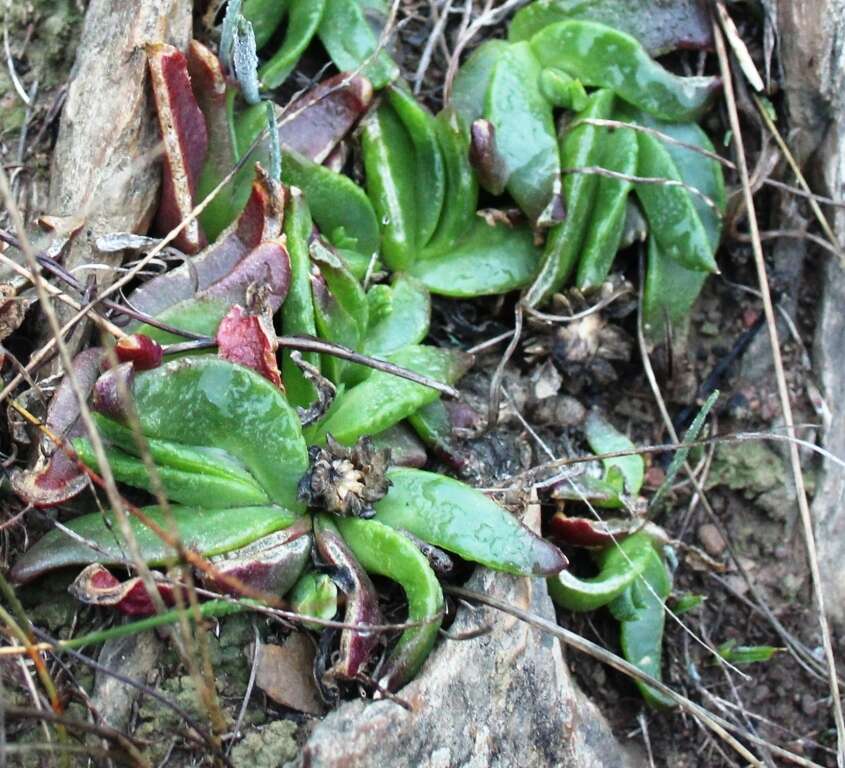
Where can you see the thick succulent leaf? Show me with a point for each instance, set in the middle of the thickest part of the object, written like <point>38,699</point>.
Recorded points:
<point>604,232</point>
<point>245,339</point>
<point>211,91</point>
<point>461,196</point>
<point>621,563</point>
<point>298,309</point>
<point>260,220</point>
<point>179,486</point>
<point>382,400</point>
<point>601,56</point>
<point>387,552</point>
<point>671,213</point>
<point>406,320</point>
<point>642,623</point>
<point>526,139</point>
<point>459,519</point>
<point>390,167</point>
<point>314,124</point>
<point>670,289</point>
<point>341,209</point>
<point>97,586</point>
<point>562,90</point>
<point>315,594</point>
<point>581,146</point>
<point>185,138</point>
<point>488,260</point>
<point>469,89</point>
<point>348,35</point>
<point>209,402</point>
<point>271,564</point>
<point>589,532</point>
<point>303,21</point>
<point>430,168</point>
<point>200,316</point>
<point>603,437</point>
<point>207,531</point>
<point>361,600</point>
<point>660,26</point>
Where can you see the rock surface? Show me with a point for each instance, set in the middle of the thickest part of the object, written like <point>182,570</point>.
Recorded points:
<point>809,35</point>
<point>105,174</point>
<point>135,657</point>
<point>503,699</point>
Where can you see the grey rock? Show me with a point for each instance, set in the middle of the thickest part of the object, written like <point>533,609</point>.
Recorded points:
<point>503,699</point>
<point>105,174</point>
<point>135,657</point>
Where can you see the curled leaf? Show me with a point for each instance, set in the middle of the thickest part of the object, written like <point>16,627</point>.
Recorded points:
<point>621,563</point>
<point>603,57</point>
<point>244,339</point>
<point>485,157</point>
<point>185,139</point>
<point>260,221</point>
<point>388,553</point>
<point>95,585</point>
<point>315,594</point>
<point>361,601</point>
<point>54,477</point>
<point>140,350</point>
<point>584,532</point>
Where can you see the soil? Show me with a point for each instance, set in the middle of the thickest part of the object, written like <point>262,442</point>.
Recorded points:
<point>747,485</point>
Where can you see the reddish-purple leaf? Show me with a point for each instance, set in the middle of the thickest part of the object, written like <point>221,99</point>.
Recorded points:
<point>185,139</point>
<point>140,350</point>
<point>361,602</point>
<point>244,339</point>
<point>97,586</point>
<point>260,220</point>
<point>108,389</point>
<point>583,532</point>
<point>315,123</point>
<point>266,267</point>
<point>54,477</point>
<point>272,564</point>
<point>485,158</point>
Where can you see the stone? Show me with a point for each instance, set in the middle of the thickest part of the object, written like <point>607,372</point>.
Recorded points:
<point>286,674</point>
<point>105,173</point>
<point>135,657</point>
<point>808,36</point>
<point>503,699</point>
<point>711,539</point>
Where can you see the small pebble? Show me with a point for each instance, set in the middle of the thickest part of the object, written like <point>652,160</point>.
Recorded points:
<point>711,539</point>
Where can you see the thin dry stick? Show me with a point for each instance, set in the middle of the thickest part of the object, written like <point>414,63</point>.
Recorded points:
<point>783,392</point>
